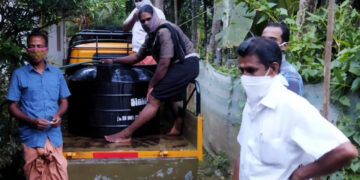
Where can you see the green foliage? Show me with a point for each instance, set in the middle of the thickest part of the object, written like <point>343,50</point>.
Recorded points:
<point>98,13</point>
<point>231,70</point>
<point>10,148</point>
<point>19,17</point>
<point>221,163</point>
<point>237,21</point>
<point>203,27</point>
<point>351,128</point>
<point>23,15</point>
<point>10,53</point>
<point>268,11</point>
<point>292,6</point>
<point>11,160</point>
<point>216,165</point>
<point>308,56</point>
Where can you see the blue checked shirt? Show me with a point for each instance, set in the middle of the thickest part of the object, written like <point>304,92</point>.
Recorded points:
<point>38,96</point>
<point>295,82</point>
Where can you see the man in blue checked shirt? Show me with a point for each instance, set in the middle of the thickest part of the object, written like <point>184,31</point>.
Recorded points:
<point>37,95</point>
<point>280,34</point>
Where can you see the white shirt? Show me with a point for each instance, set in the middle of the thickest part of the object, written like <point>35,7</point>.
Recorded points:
<point>281,133</point>
<point>138,32</point>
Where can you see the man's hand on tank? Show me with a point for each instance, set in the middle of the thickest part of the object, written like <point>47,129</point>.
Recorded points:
<point>41,123</point>
<point>107,61</point>
<point>56,121</point>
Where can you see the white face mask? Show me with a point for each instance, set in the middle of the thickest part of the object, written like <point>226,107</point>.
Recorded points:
<point>142,3</point>
<point>256,87</point>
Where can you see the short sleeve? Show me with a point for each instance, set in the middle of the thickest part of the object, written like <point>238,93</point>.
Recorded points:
<point>130,16</point>
<point>143,51</point>
<point>166,44</point>
<point>314,134</point>
<point>14,92</point>
<point>64,90</point>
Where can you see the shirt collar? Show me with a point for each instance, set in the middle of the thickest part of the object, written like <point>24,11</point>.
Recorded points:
<point>272,97</point>
<point>31,68</point>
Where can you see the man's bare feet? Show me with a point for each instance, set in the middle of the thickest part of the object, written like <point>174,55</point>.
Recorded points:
<point>174,131</point>
<point>122,136</point>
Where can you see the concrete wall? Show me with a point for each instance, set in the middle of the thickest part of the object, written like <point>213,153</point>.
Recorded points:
<point>222,101</point>
<point>57,44</point>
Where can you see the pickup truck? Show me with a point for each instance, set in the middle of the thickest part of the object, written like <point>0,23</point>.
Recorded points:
<point>106,99</point>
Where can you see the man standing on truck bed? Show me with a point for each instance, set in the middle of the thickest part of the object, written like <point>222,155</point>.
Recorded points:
<point>37,95</point>
<point>282,136</point>
<point>138,33</point>
<point>178,65</point>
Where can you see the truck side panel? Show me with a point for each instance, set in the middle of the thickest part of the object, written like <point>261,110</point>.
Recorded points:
<point>131,169</point>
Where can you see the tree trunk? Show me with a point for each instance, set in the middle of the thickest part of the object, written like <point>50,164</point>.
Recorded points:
<point>305,5</point>
<point>176,11</point>
<point>194,10</point>
<point>215,28</point>
<point>159,4</point>
<point>327,68</point>
<point>205,25</point>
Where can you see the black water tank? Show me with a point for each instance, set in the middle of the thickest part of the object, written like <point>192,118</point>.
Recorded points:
<point>106,98</point>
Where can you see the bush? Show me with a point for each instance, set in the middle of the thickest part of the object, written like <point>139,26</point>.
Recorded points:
<point>11,161</point>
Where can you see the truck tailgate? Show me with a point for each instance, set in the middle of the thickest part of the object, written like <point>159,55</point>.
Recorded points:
<point>147,157</point>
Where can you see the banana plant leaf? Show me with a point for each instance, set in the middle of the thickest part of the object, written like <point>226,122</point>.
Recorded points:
<point>237,21</point>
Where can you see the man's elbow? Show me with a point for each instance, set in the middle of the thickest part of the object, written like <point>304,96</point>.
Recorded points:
<point>126,27</point>
<point>64,103</point>
<point>11,107</point>
<point>349,151</point>
<point>164,68</point>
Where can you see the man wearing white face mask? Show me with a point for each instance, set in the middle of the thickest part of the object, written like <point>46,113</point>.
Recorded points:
<point>282,136</point>
<point>280,34</point>
<point>132,23</point>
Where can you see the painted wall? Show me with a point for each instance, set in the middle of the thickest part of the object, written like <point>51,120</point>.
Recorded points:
<point>57,44</point>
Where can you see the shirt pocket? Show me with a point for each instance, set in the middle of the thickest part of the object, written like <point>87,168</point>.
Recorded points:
<point>272,151</point>
<point>25,88</point>
<point>23,85</point>
<point>53,90</point>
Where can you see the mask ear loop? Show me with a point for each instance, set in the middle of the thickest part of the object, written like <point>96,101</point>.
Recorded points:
<point>267,72</point>
<point>282,44</point>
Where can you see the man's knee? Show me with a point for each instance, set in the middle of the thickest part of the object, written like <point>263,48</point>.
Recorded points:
<point>153,102</point>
